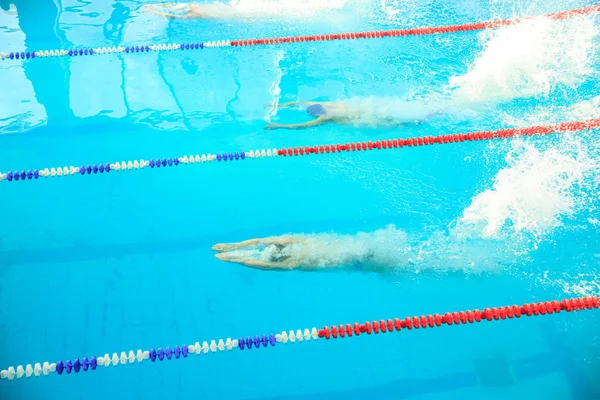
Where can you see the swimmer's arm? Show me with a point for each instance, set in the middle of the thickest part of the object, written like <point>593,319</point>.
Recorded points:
<point>284,240</point>
<point>245,243</point>
<point>265,265</point>
<point>309,124</point>
<point>288,264</point>
<point>151,8</point>
<point>295,103</point>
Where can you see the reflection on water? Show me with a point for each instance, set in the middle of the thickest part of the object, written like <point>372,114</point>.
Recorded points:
<point>113,27</point>
<point>38,23</point>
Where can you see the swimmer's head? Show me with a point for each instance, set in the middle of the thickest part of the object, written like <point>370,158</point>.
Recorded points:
<point>316,110</point>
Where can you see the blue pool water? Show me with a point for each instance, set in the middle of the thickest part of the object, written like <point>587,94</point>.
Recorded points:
<point>109,263</point>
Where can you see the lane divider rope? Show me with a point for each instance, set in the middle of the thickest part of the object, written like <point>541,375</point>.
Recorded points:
<point>469,27</point>
<point>328,332</point>
<point>14,176</point>
<point>539,130</point>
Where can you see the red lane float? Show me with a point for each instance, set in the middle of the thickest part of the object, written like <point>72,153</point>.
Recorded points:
<point>461,317</point>
<point>470,27</point>
<point>443,139</point>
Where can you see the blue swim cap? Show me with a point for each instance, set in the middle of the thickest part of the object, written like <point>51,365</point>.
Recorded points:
<point>316,110</point>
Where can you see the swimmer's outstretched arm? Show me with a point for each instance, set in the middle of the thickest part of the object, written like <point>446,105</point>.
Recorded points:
<point>315,122</point>
<point>295,103</point>
<point>239,245</point>
<point>152,8</point>
<point>266,265</point>
<point>284,240</point>
<point>256,263</point>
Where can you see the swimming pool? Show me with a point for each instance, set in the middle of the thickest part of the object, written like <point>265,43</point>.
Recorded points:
<point>104,263</point>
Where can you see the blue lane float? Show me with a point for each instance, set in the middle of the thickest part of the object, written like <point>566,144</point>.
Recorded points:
<point>85,364</point>
<point>89,169</point>
<point>87,51</point>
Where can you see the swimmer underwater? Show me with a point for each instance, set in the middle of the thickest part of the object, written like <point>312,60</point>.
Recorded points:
<point>368,111</point>
<point>240,11</point>
<point>193,10</point>
<point>300,252</point>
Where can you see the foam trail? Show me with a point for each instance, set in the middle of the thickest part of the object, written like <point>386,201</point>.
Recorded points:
<point>528,59</point>
<point>386,111</point>
<point>381,248</point>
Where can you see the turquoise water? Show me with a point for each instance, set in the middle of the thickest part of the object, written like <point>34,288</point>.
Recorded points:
<point>109,263</point>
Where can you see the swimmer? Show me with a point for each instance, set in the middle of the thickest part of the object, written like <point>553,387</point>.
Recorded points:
<point>192,10</point>
<point>370,111</point>
<point>287,253</point>
<point>239,10</point>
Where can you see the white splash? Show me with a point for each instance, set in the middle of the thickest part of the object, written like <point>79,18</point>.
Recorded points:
<point>532,193</point>
<point>528,59</point>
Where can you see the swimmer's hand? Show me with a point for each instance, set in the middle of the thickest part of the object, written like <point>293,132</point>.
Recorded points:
<point>272,125</point>
<point>222,247</point>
